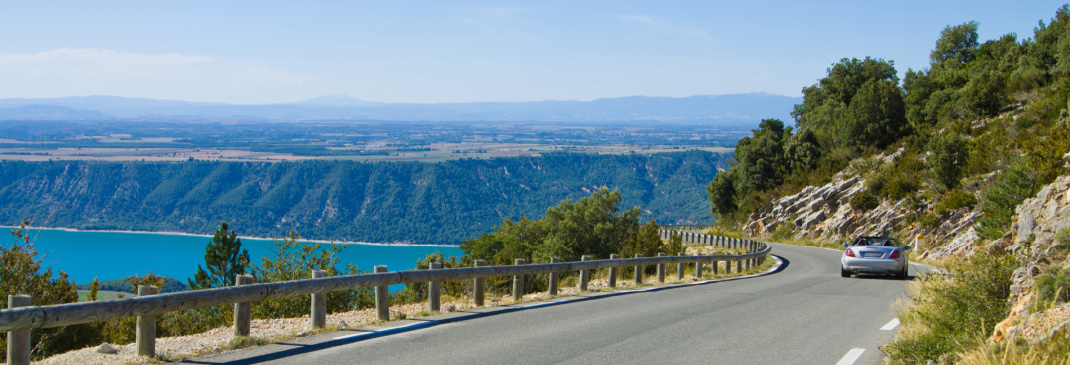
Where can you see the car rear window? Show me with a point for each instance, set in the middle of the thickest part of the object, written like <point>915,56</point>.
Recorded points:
<point>876,242</point>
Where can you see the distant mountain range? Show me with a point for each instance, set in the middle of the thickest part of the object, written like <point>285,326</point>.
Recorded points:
<point>728,110</point>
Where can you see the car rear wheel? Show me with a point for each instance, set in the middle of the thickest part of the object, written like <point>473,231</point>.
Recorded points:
<point>902,275</point>
<point>844,273</point>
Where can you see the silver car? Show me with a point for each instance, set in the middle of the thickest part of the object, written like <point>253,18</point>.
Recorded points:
<point>875,255</point>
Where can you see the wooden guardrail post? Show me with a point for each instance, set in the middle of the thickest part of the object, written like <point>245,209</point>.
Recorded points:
<point>638,272</point>
<point>613,272</point>
<point>680,268</point>
<point>661,269</point>
<point>585,275</point>
<point>146,325</point>
<point>18,341</point>
<point>727,267</point>
<point>713,267</point>
<point>434,290</point>
<point>518,283</point>
<point>479,283</point>
<point>739,266</point>
<point>242,311</point>
<point>698,269</point>
<point>553,277</point>
<point>382,298</point>
<point>318,315</point>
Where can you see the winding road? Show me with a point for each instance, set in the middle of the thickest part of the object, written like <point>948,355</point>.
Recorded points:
<point>803,314</point>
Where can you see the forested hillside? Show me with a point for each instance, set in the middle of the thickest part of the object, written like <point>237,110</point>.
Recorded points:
<point>966,160</point>
<point>437,203</point>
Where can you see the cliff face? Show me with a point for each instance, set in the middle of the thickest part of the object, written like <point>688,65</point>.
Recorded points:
<point>825,213</point>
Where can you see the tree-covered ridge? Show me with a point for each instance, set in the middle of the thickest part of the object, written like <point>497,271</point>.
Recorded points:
<point>440,203</point>
<point>979,108</point>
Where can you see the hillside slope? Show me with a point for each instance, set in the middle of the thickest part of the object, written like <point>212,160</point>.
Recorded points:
<point>437,203</point>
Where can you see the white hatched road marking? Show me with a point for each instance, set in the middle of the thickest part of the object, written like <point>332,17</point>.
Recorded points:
<point>891,325</point>
<point>851,356</point>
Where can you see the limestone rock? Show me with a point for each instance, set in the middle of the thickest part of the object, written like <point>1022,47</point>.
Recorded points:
<point>108,349</point>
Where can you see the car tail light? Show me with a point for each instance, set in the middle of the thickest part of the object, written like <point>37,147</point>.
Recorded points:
<point>895,254</point>
<point>850,253</point>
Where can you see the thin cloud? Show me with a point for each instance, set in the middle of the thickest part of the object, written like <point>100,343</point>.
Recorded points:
<point>502,12</point>
<point>654,22</point>
<point>90,71</point>
<point>76,57</point>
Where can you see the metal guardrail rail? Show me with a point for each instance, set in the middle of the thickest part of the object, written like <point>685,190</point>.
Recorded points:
<point>685,227</point>
<point>18,321</point>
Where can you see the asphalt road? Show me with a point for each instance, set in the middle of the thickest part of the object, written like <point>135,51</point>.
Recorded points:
<point>804,314</point>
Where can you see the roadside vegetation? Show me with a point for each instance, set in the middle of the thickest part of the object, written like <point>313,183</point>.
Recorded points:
<point>593,225</point>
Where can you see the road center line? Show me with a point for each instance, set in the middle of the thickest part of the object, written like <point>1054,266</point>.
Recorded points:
<point>891,325</point>
<point>851,356</point>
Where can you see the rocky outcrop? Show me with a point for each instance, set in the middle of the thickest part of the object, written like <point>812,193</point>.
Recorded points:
<point>1035,243</point>
<point>1033,235</point>
<point>825,213</point>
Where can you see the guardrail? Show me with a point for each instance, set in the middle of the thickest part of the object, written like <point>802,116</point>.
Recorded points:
<point>685,227</point>
<point>20,316</point>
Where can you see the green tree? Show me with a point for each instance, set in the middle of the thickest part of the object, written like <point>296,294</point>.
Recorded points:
<point>826,108</point>
<point>224,258</point>
<point>802,151</point>
<point>984,94</point>
<point>593,225</point>
<point>94,287</point>
<point>722,195</point>
<point>950,154</point>
<point>876,115</point>
<point>761,164</point>
<point>644,240</point>
<point>957,45</point>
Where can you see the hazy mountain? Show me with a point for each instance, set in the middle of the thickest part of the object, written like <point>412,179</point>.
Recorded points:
<point>728,110</point>
<point>50,112</point>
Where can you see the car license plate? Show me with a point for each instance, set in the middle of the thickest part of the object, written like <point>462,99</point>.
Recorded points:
<point>872,254</point>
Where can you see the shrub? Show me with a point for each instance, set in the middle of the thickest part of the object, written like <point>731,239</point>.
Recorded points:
<point>454,288</point>
<point>292,260</point>
<point>783,231</point>
<point>1008,189</point>
<point>956,313</point>
<point>864,200</point>
<point>955,199</point>
<point>21,273</point>
<point>902,187</point>
<point>1054,287</point>
<point>929,221</point>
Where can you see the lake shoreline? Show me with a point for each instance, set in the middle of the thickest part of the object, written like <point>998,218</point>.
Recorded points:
<point>346,243</point>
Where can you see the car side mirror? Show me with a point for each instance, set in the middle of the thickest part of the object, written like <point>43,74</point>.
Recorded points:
<point>907,247</point>
<point>846,245</point>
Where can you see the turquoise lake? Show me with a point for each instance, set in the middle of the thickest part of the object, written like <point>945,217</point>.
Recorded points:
<point>114,255</point>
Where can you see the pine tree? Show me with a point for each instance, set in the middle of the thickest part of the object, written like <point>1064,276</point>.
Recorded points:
<point>94,287</point>
<point>224,259</point>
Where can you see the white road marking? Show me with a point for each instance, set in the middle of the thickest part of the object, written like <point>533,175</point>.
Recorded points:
<point>891,325</point>
<point>851,356</point>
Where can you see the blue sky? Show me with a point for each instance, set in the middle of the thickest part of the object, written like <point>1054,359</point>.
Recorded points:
<point>254,52</point>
